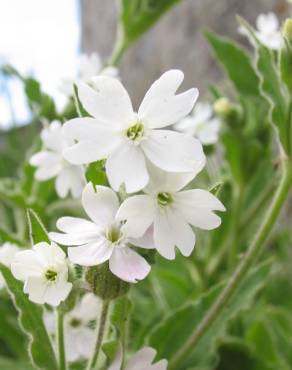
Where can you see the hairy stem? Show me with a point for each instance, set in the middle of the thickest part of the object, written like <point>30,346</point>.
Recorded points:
<point>239,274</point>
<point>60,339</point>
<point>100,334</point>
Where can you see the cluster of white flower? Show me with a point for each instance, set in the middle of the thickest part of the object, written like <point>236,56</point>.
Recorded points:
<point>7,254</point>
<point>268,30</point>
<point>141,156</point>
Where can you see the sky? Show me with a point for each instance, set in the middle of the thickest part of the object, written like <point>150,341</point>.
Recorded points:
<point>40,38</point>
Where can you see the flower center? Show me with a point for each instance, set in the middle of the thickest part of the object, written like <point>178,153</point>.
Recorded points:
<point>51,275</point>
<point>75,323</point>
<point>135,132</point>
<point>164,199</point>
<point>113,234</point>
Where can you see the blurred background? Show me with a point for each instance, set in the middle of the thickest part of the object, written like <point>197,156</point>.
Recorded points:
<point>44,39</point>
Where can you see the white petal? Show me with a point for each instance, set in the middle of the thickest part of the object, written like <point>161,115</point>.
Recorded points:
<point>57,292</point>
<point>197,208</point>
<point>162,181</point>
<point>145,241</point>
<point>171,230</point>
<point>108,101</point>
<point>138,212</point>
<point>117,364</point>
<point>89,307</point>
<point>174,152</point>
<point>25,264</point>
<point>75,225</point>
<point>70,180</point>
<point>166,112</point>
<point>160,107</point>
<point>91,254</point>
<point>35,287</point>
<point>86,342</point>
<point>101,204</point>
<point>95,140</point>
<point>208,134</point>
<point>127,166</point>
<point>74,238</point>
<point>49,165</point>
<point>128,265</point>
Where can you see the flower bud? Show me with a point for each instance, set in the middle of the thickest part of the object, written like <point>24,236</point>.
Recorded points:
<point>287,29</point>
<point>228,112</point>
<point>104,283</point>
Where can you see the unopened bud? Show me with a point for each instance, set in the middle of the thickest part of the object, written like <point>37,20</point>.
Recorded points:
<point>223,107</point>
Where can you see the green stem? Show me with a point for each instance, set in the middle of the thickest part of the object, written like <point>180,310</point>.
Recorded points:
<point>239,274</point>
<point>60,340</point>
<point>100,334</point>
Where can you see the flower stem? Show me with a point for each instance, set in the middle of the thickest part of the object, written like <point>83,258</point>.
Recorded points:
<point>100,334</point>
<point>247,261</point>
<point>60,340</point>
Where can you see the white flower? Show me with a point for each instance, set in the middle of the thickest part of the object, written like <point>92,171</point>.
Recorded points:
<point>7,254</point>
<point>44,270</point>
<point>166,213</point>
<point>142,360</point>
<point>101,239</point>
<point>88,66</point>
<point>51,163</point>
<point>127,138</point>
<point>268,31</point>
<point>79,334</point>
<point>201,124</point>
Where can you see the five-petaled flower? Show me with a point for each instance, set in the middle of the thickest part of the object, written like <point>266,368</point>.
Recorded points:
<point>141,360</point>
<point>127,140</point>
<point>101,239</point>
<point>169,212</point>
<point>78,328</point>
<point>44,270</point>
<point>7,254</point>
<point>50,163</point>
<point>201,123</point>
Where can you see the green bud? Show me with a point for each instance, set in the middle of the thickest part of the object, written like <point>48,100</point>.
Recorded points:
<point>104,283</point>
<point>287,29</point>
<point>223,107</point>
<point>228,112</point>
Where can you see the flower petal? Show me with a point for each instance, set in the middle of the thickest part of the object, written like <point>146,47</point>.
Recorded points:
<point>128,265</point>
<point>57,292</point>
<point>127,166</point>
<point>91,254</point>
<point>101,204</point>
<point>49,165</point>
<point>108,101</point>
<point>174,152</point>
<point>35,287</point>
<point>70,179</point>
<point>137,221</point>
<point>197,208</point>
<point>143,359</point>
<point>145,241</point>
<point>162,181</point>
<point>171,230</point>
<point>160,106</point>
<point>76,238</point>
<point>95,140</point>
<point>75,225</point>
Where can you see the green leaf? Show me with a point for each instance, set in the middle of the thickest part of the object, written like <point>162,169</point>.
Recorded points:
<point>31,321</point>
<point>271,86</point>
<point>172,333</point>
<point>95,173</point>
<point>37,230</point>
<point>9,364</point>
<point>286,64</point>
<point>236,63</point>
<point>138,16</point>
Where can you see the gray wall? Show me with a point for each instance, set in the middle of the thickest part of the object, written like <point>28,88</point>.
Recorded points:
<point>176,41</point>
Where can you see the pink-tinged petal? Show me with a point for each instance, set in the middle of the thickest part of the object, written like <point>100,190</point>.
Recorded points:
<point>92,254</point>
<point>95,140</point>
<point>108,101</point>
<point>143,359</point>
<point>76,238</point>
<point>162,181</point>
<point>117,364</point>
<point>145,241</point>
<point>127,166</point>
<point>138,211</point>
<point>128,265</point>
<point>174,152</point>
<point>197,208</point>
<point>100,203</point>
<point>170,231</point>
<point>25,263</point>
<point>75,225</point>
